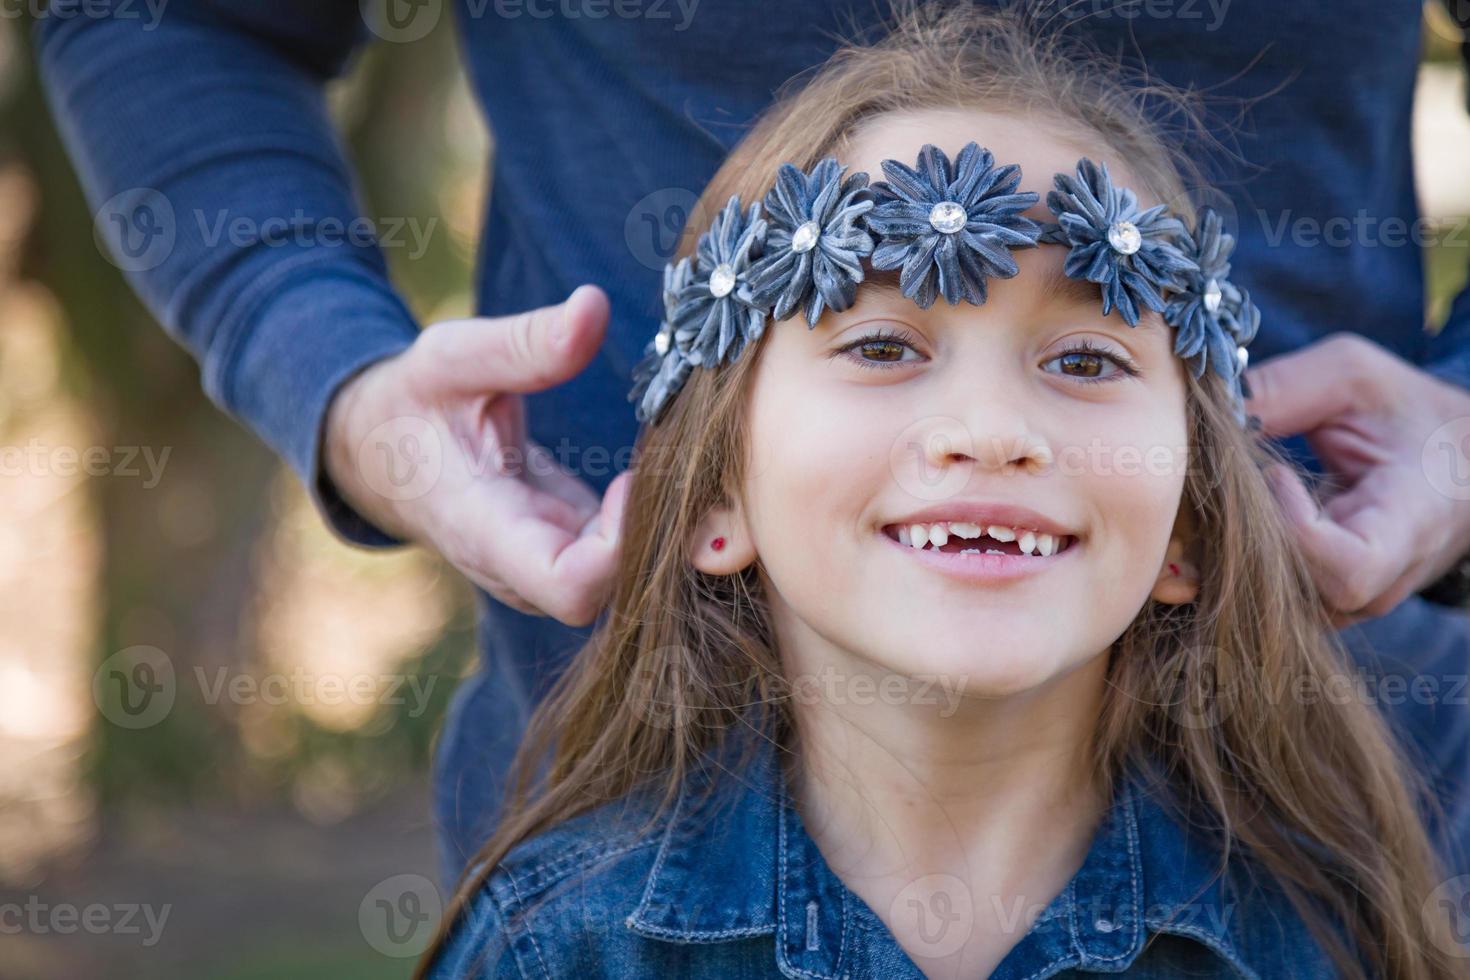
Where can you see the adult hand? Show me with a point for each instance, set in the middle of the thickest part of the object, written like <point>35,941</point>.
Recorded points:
<point>1388,528</point>
<point>430,445</point>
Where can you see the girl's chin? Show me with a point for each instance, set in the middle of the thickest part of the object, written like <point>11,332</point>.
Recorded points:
<point>979,672</point>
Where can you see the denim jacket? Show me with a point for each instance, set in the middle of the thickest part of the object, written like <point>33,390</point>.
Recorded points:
<point>729,885</point>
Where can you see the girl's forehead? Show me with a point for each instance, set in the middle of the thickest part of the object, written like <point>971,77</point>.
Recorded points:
<point>1041,147</point>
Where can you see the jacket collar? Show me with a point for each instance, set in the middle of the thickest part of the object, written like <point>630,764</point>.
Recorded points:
<point>735,862</point>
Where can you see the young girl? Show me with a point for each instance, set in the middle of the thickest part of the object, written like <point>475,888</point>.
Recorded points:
<point>955,632</point>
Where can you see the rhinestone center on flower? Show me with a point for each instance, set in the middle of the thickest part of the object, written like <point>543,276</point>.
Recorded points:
<point>947,217</point>
<point>1125,237</point>
<point>721,280</point>
<point>1213,295</point>
<point>804,239</point>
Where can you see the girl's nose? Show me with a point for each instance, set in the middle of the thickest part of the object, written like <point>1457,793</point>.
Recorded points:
<point>947,450</point>
<point>998,442</point>
<point>1012,447</point>
<point>999,432</point>
<point>987,423</point>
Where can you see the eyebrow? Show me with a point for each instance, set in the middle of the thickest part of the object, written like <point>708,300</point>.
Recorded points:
<point>1057,287</point>
<point>1063,288</point>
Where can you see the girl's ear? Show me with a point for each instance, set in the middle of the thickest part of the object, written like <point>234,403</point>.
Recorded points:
<point>1178,580</point>
<point>722,544</point>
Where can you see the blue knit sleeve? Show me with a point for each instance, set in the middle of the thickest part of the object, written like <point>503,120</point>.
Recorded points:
<point>200,133</point>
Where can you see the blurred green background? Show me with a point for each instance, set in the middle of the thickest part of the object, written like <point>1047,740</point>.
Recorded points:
<point>264,823</point>
<point>269,828</point>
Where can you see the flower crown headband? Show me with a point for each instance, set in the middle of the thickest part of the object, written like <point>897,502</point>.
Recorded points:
<point>948,226</point>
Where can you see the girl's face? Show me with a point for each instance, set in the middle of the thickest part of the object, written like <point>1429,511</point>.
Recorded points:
<point>1030,413</point>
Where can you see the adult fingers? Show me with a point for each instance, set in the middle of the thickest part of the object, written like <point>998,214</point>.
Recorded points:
<point>547,474</point>
<point>524,352</point>
<point>565,572</point>
<point>1307,388</point>
<point>1359,550</point>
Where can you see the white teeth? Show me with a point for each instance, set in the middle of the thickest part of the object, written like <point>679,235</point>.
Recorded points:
<point>938,534</point>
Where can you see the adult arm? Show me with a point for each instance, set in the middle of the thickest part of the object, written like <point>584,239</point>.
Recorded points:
<point>200,132</point>
<point>203,140</point>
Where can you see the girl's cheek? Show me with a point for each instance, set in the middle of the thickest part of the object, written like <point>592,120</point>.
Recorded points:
<point>1143,508</point>
<point>1133,468</point>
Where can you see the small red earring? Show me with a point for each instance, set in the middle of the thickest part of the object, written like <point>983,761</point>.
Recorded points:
<point>1173,568</point>
<point>717,543</point>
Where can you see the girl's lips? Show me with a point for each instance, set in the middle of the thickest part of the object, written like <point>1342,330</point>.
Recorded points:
<point>982,568</point>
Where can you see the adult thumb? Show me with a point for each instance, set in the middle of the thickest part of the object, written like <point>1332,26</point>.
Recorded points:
<point>1298,391</point>
<point>523,352</point>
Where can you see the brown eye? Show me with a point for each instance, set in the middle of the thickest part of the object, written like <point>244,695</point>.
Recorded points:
<point>882,350</point>
<point>1080,365</point>
<point>1088,363</point>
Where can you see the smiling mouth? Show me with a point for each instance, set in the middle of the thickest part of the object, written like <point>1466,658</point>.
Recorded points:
<point>964,538</point>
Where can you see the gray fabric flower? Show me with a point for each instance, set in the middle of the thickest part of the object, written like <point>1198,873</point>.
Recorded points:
<point>714,315</point>
<point>1133,254</point>
<point>815,242</point>
<point>663,370</point>
<point>1213,316</point>
<point>709,314</point>
<point>656,380</point>
<point>1214,319</point>
<point>950,226</point>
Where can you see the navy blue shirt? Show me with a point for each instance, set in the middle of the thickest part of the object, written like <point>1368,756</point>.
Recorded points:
<point>605,128</point>
<point>732,885</point>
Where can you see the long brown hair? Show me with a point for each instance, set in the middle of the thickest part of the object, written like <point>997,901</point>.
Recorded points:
<point>680,657</point>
